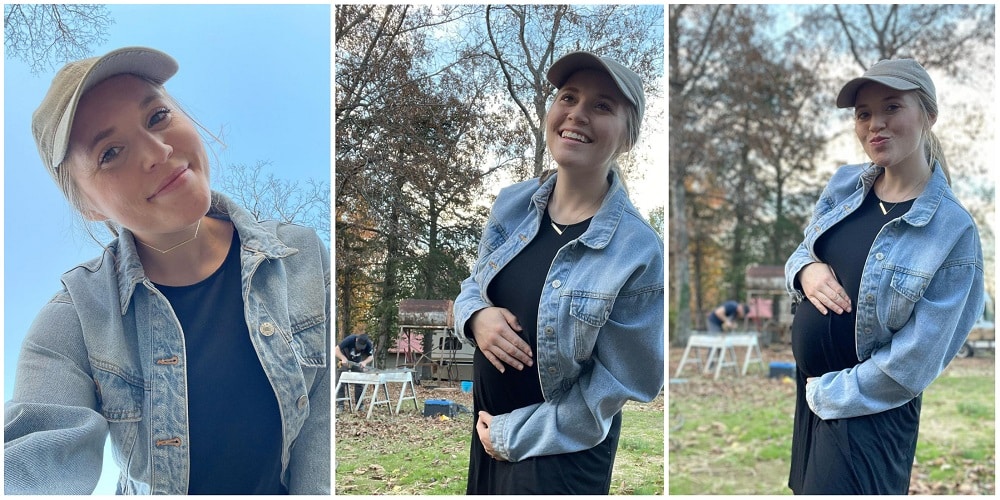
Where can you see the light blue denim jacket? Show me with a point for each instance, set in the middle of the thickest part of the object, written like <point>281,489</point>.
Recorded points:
<point>921,291</point>
<point>107,354</point>
<point>600,319</point>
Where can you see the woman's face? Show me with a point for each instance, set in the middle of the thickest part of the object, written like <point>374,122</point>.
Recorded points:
<point>890,124</point>
<point>586,125</point>
<point>137,160</point>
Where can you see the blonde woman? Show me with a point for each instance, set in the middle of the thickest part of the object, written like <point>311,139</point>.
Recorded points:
<point>565,302</point>
<point>891,273</point>
<point>198,339</point>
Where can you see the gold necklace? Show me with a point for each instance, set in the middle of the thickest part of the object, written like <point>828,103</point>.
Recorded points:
<point>560,231</point>
<point>177,245</point>
<point>894,205</point>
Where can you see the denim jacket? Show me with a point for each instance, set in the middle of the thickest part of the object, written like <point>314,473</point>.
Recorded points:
<point>921,291</point>
<point>600,319</point>
<point>107,354</point>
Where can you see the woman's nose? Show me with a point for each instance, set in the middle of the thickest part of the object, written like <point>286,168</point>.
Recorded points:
<point>158,151</point>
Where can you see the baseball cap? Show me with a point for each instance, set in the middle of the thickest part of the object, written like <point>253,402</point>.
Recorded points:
<point>627,81</point>
<point>899,74</point>
<point>53,120</point>
<point>362,341</point>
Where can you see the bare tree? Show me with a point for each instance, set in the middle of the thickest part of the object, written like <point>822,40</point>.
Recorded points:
<point>268,197</point>
<point>47,35</point>
<point>524,40</point>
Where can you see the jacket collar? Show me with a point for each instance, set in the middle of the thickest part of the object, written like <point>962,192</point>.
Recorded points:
<point>253,238</point>
<point>605,222</point>
<point>926,203</point>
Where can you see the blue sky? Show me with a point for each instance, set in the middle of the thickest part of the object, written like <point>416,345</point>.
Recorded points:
<point>261,73</point>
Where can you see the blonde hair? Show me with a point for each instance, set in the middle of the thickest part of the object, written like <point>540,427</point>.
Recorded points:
<point>932,145</point>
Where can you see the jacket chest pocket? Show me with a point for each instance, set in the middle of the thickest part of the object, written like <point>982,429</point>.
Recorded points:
<point>308,341</point>
<point>590,311</point>
<point>905,290</point>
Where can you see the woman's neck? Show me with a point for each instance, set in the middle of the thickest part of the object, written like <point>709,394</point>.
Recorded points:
<point>190,262</point>
<point>576,197</point>
<point>902,182</point>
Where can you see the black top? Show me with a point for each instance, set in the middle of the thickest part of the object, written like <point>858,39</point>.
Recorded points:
<point>870,454</point>
<point>518,287</point>
<point>233,418</point>
<point>844,247</point>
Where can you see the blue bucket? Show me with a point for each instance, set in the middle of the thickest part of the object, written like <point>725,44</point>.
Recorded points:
<point>466,386</point>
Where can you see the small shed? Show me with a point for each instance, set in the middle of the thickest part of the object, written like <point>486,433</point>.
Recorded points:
<point>770,305</point>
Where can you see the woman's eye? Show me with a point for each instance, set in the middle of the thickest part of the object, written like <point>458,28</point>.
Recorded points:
<point>160,115</point>
<point>109,155</point>
<point>892,107</point>
<point>604,107</point>
<point>861,116</point>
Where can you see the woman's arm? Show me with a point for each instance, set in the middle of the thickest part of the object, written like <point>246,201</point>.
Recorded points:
<point>627,365</point>
<point>53,433</point>
<point>309,464</point>
<point>916,355</point>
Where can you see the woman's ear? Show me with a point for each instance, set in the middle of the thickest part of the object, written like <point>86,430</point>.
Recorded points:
<point>92,215</point>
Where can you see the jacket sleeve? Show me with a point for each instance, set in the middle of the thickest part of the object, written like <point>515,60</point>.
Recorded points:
<point>918,352</point>
<point>627,364</point>
<point>470,298</point>
<point>309,464</point>
<point>802,256</point>
<point>53,434</point>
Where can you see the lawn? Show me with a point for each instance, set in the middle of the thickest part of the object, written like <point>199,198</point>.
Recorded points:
<point>733,436</point>
<point>409,454</point>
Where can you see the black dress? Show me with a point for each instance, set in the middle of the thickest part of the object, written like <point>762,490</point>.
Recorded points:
<point>871,454</point>
<point>518,287</point>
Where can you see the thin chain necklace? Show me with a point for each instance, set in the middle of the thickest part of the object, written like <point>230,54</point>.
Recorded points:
<point>177,245</point>
<point>559,230</point>
<point>907,197</point>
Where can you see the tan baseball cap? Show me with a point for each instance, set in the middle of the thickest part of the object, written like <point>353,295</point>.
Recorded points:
<point>53,120</point>
<point>898,74</point>
<point>627,81</point>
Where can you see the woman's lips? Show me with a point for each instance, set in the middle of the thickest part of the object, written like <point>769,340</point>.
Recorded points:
<point>171,183</point>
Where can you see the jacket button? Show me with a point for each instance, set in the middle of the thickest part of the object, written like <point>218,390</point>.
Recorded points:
<point>549,330</point>
<point>552,370</point>
<point>556,284</point>
<point>879,256</point>
<point>266,329</point>
<point>302,402</point>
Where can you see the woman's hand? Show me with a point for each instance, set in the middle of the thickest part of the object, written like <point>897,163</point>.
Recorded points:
<point>495,330</point>
<point>483,429</point>
<point>822,289</point>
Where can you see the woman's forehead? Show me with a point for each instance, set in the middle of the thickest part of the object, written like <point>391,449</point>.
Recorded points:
<point>594,80</point>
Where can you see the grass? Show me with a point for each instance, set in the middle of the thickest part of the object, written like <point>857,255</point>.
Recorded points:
<point>733,436</point>
<point>409,454</point>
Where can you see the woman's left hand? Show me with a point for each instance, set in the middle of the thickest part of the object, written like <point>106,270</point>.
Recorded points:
<point>483,428</point>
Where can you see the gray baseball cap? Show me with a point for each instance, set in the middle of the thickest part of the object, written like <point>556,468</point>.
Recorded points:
<point>899,74</point>
<point>53,120</point>
<point>628,82</point>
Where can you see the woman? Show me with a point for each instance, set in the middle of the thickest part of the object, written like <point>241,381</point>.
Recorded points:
<point>568,291</point>
<point>886,312</point>
<point>198,338</point>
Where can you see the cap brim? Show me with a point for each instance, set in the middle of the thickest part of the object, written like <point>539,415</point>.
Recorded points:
<point>150,64</point>
<point>570,63</point>
<point>849,93</point>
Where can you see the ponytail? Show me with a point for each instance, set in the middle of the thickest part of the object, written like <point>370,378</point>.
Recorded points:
<point>933,151</point>
<point>932,145</point>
